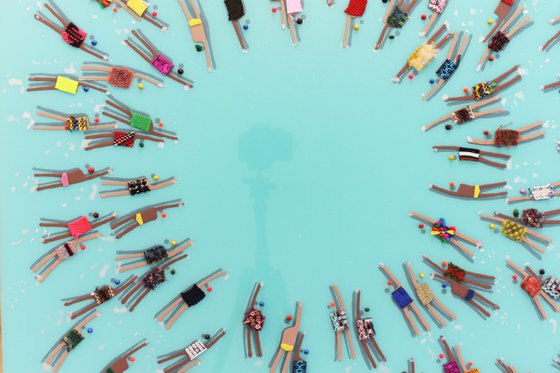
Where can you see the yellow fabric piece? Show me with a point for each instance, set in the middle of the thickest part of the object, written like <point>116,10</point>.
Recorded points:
<point>286,347</point>
<point>425,294</point>
<point>137,6</point>
<point>67,85</point>
<point>422,56</point>
<point>139,219</point>
<point>475,370</point>
<point>476,191</point>
<point>513,231</point>
<point>194,22</point>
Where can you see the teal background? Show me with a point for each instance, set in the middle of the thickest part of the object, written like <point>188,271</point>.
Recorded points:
<point>297,167</point>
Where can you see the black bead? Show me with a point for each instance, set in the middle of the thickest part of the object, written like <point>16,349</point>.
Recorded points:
<point>180,71</point>
<point>542,272</point>
<point>95,215</point>
<point>299,21</point>
<point>448,127</point>
<point>206,336</point>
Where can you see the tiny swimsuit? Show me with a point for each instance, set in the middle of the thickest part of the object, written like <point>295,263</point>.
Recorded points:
<point>254,319</point>
<point>339,321</point>
<point>447,68</point>
<point>193,296</point>
<point>155,277</point>
<point>398,18</point>
<point>64,251</point>
<point>103,294</point>
<point>365,329</point>
<point>551,286</point>
<point>162,64</point>
<point>532,286</point>
<point>541,192</point>
<point>463,115</point>
<point>482,90</point>
<point>195,349</point>
<point>155,254</point>
<point>498,41</point>
<point>138,186</point>
<point>437,5</point>
<point>72,339</point>
<point>451,367</point>
<point>77,123</point>
<point>401,297</point>
<point>73,36</point>
<point>513,231</point>
<point>532,218</point>
<point>504,137</point>
<point>120,77</point>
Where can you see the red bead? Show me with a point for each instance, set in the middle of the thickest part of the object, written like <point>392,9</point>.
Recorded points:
<point>411,76</point>
<point>274,10</point>
<point>514,277</point>
<point>209,289</point>
<point>332,304</point>
<point>486,133</point>
<point>441,356</point>
<point>115,9</point>
<point>466,90</point>
<point>160,124</point>
<point>289,317</point>
<point>91,170</point>
<point>423,16</point>
<point>491,58</point>
<point>421,225</point>
<point>154,13</point>
<point>164,215</point>
<point>96,120</point>
<point>390,283</point>
<point>82,246</point>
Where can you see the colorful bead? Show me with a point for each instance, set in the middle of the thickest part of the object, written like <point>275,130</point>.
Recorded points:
<point>490,21</point>
<point>117,281</point>
<point>423,17</point>
<point>155,177</point>
<point>173,243</point>
<point>131,358</point>
<point>140,86</point>
<point>209,289</point>
<point>411,76</point>
<point>332,304</point>
<point>90,330</point>
<point>421,225</point>
<point>522,191</point>
<point>289,317</point>
<point>390,283</point>
<point>491,58</point>
<point>96,120</point>
<point>356,27</point>
<point>173,272</point>
<point>95,215</point>
<point>274,10</point>
<point>82,246</point>
<point>448,127</point>
<point>261,303</point>
<point>452,184</point>
<point>94,42</point>
<point>245,27</point>
<point>451,157</point>
<point>486,132</point>
<point>444,285</point>
<point>492,226</point>
<point>306,351</point>
<point>514,277</point>
<point>154,13</point>
<point>432,81</point>
<point>366,309</point>
<point>466,90</point>
<point>422,275</point>
<point>91,170</point>
<point>86,89</point>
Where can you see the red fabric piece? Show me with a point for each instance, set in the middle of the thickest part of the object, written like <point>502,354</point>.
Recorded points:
<point>79,227</point>
<point>508,2</point>
<point>356,8</point>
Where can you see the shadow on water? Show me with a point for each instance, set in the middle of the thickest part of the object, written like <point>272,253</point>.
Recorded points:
<point>260,148</point>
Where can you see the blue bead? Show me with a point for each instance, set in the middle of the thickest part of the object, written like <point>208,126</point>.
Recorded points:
<point>94,42</point>
<point>306,351</point>
<point>245,27</point>
<point>432,81</point>
<point>90,330</point>
<point>261,303</point>
<point>444,285</point>
<point>117,281</point>
<point>86,89</point>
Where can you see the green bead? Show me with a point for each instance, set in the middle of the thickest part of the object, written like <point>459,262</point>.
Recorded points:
<point>199,48</point>
<point>141,144</point>
<point>516,213</point>
<point>172,271</point>
<point>391,36</point>
<point>366,309</point>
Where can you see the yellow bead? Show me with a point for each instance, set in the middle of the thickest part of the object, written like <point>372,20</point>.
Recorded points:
<point>492,226</point>
<point>140,86</point>
<point>490,21</point>
<point>421,275</point>
<point>356,27</point>
<point>451,157</point>
<point>173,243</point>
<point>155,177</point>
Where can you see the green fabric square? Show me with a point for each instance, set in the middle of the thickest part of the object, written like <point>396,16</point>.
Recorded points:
<point>141,122</point>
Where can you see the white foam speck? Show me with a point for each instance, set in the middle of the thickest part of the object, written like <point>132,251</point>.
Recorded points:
<point>104,270</point>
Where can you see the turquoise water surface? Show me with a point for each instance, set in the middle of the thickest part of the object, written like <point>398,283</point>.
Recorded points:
<point>297,167</point>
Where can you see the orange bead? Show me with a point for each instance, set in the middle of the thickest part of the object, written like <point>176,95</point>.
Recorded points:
<point>466,90</point>
<point>332,304</point>
<point>444,264</point>
<point>452,184</point>
<point>470,363</point>
<point>160,124</point>
<point>164,215</point>
<point>132,358</point>
<point>115,9</point>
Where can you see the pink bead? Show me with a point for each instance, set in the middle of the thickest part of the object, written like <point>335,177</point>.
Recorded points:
<point>522,191</point>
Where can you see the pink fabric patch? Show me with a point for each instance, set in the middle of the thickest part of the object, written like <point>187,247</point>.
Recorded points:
<point>64,179</point>
<point>79,227</point>
<point>163,65</point>
<point>293,6</point>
